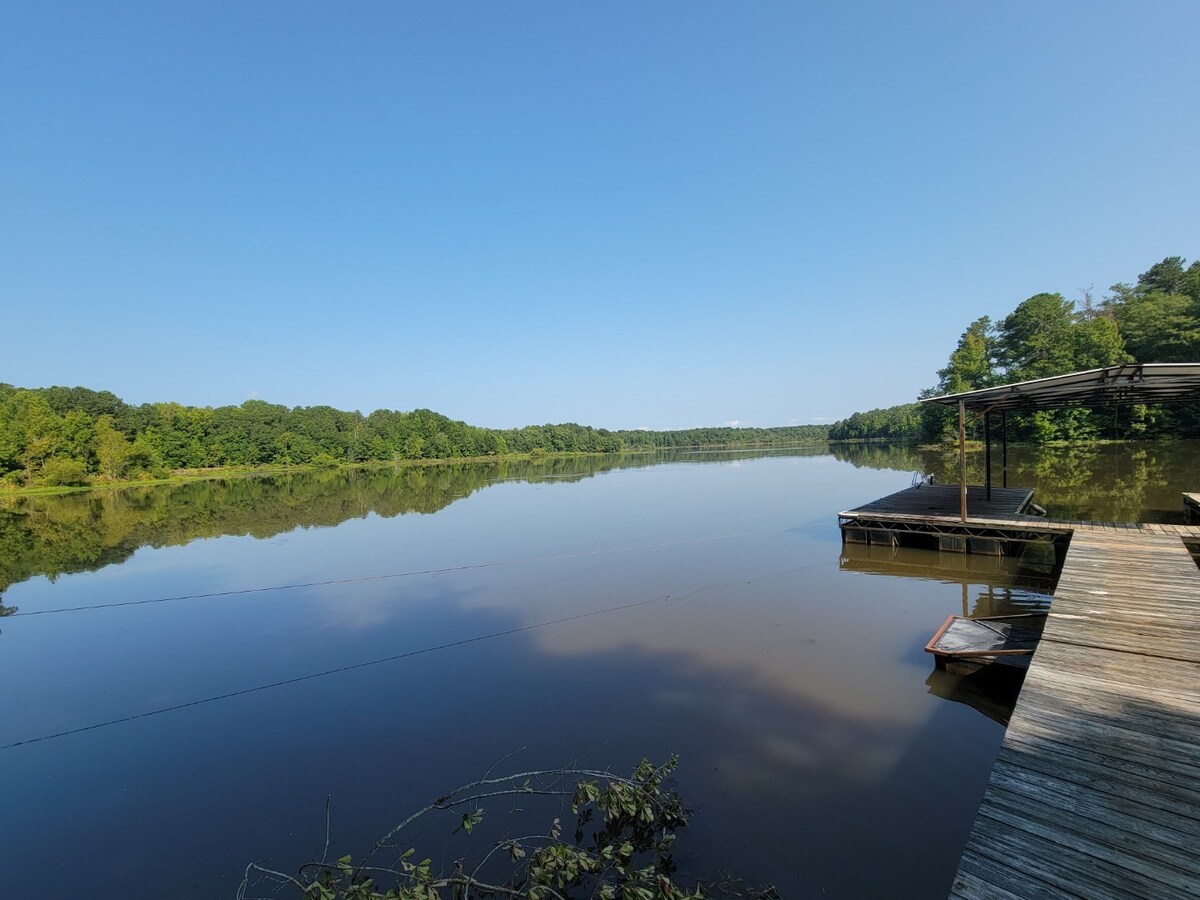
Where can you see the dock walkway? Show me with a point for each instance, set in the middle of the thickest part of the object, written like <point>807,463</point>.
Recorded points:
<point>1096,791</point>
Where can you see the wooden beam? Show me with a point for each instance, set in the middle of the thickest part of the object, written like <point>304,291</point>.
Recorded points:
<point>987,453</point>
<point>962,460</point>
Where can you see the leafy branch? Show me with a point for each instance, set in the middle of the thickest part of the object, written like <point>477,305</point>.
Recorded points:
<point>619,849</point>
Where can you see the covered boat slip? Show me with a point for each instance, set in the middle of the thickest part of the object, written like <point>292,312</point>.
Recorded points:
<point>1112,385</point>
<point>1096,789</point>
<point>1002,513</point>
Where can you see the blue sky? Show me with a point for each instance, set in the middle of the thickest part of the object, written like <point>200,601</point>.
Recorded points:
<point>621,214</point>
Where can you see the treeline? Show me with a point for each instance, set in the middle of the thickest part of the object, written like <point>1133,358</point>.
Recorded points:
<point>61,436</point>
<point>1155,320</point>
<point>893,423</point>
<point>723,437</point>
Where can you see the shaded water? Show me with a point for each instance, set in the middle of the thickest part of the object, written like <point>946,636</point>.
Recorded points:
<point>191,670</point>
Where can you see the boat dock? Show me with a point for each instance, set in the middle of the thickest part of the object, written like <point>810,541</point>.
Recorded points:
<point>1096,789</point>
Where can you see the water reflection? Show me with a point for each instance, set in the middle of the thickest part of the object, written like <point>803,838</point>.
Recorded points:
<point>52,536</point>
<point>55,535</point>
<point>690,608</point>
<point>1123,482</point>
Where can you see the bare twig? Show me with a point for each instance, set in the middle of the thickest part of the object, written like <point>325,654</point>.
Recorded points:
<point>506,756</point>
<point>280,877</point>
<point>328,805</point>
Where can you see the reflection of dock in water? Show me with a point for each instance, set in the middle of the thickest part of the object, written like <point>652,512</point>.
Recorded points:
<point>1000,579</point>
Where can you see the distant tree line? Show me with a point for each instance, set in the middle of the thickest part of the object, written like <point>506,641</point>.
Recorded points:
<point>60,436</point>
<point>893,423</point>
<point>1155,320</point>
<point>723,437</point>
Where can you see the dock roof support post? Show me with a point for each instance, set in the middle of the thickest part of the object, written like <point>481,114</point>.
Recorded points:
<point>987,452</point>
<point>962,460</point>
<point>1004,451</point>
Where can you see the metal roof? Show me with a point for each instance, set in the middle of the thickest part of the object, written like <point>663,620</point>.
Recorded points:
<point>1130,383</point>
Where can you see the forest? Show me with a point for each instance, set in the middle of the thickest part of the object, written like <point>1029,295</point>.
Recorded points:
<point>1155,320</point>
<point>67,437</point>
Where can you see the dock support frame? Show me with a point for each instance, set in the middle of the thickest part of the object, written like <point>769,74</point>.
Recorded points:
<point>962,461</point>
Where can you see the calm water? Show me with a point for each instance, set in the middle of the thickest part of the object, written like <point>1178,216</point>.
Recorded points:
<point>190,671</point>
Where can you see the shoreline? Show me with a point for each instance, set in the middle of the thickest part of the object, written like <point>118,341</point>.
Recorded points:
<point>184,476</point>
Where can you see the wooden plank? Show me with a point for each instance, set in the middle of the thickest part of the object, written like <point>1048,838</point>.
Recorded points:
<point>1129,815</point>
<point>1028,863</point>
<point>979,878</point>
<point>1111,776</point>
<point>1084,845</point>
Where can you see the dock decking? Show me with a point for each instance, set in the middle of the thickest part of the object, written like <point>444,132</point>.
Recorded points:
<point>1096,789</point>
<point>942,499</point>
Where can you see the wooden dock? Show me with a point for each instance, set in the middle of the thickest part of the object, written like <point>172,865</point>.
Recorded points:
<point>1096,790</point>
<point>928,515</point>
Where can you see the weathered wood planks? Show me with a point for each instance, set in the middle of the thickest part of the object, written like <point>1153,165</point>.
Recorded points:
<point>1096,790</point>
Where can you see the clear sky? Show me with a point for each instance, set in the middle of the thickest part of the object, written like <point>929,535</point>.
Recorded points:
<point>638,214</point>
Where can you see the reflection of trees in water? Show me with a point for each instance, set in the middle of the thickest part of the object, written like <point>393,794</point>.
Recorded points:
<point>1124,482</point>
<point>52,536</point>
<point>903,457</point>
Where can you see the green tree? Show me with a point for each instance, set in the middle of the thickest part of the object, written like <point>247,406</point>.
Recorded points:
<point>1159,317</point>
<point>1170,277</point>
<point>41,432</point>
<point>1037,339</point>
<point>971,367</point>
<point>112,450</point>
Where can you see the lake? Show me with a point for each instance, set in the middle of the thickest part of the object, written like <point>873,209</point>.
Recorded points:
<point>192,670</point>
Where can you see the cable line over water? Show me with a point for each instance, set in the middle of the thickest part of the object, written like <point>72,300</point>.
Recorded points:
<point>408,654</point>
<point>350,668</point>
<point>416,572</point>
